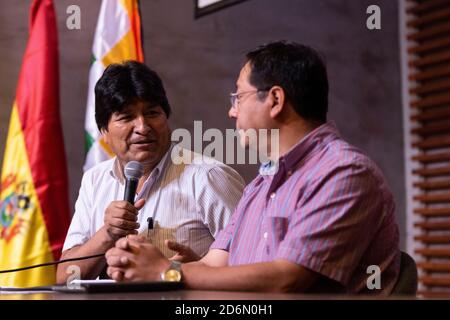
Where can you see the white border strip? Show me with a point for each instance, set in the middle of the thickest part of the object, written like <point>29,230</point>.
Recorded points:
<point>407,125</point>
<point>410,165</point>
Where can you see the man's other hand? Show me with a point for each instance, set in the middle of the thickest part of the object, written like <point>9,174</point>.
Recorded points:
<point>183,253</point>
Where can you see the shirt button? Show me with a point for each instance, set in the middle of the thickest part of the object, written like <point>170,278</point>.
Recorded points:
<point>289,173</point>
<point>265,235</point>
<point>272,195</point>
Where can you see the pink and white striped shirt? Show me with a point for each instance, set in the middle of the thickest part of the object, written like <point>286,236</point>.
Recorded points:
<point>327,208</point>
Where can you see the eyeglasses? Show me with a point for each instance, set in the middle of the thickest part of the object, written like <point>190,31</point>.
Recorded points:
<point>235,96</point>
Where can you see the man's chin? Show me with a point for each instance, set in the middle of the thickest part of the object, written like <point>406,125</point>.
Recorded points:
<point>144,157</point>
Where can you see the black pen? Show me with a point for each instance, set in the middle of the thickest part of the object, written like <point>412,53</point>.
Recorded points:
<point>149,225</point>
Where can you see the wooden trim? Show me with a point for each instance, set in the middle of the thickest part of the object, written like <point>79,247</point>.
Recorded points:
<point>435,281</point>
<point>434,266</point>
<point>431,59</point>
<point>433,294</point>
<point>428,129</point>
<point>430,115</point>
<point>433,185</point>
<point>429,18</point>
<point>433,240</point>
<point>429,32</point>
<point>425,88</point>
<point>429,46</point>
<point>435,73</point>
<point>433,143</point>
<point>433,172</point>
<point>436,253</point>
<point>433,198</point>
<point>426,6</point>
<point>433,212</point>
<point>432,101</point>
<point>429,98</point>
<point>432,158</point>
<point>434,226</point>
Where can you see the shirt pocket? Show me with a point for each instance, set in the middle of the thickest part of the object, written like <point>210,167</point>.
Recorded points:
<point>275,228</point>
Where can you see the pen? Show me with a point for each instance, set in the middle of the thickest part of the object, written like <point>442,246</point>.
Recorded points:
<point>149,225</point>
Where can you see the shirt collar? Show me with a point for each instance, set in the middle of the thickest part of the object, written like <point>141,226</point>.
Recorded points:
<point>117,171</point>
<point>313,140</point>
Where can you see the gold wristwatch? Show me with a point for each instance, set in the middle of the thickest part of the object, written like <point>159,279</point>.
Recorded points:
<point>173,273</point>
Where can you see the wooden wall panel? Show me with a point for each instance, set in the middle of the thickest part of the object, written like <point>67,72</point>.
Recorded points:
<point>428,36</point>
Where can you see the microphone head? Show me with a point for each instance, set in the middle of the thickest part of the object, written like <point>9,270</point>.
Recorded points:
<point>133,170</point>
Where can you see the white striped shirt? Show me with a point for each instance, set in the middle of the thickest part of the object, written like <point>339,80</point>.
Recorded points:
<point>189,203</point>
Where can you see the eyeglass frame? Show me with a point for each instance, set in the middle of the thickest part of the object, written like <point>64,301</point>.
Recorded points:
<point>234,96</point>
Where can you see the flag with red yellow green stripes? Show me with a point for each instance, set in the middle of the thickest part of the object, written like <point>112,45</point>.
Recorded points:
<point>117,38</point>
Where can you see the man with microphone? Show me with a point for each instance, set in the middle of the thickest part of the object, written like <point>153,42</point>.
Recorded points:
<point>180,207</point>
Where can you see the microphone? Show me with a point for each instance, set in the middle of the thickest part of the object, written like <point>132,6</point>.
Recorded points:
<point>133,171</point>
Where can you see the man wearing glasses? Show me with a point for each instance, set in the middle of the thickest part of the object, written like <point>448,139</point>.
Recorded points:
<point>316,224</point>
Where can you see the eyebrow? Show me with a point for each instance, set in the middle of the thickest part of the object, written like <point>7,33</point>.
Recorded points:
<point>149,106</point>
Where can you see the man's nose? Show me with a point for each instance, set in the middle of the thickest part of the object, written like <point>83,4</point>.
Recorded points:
<point>140,125</point>
<point>232,113</point>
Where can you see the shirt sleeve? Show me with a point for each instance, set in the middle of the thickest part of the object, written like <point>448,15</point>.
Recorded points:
<point>334,222</point>
<point>224,237</point>
<point>79,229</point>
<point>220,191</point>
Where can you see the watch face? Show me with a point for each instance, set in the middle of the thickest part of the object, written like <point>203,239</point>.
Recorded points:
<point>172,275</point>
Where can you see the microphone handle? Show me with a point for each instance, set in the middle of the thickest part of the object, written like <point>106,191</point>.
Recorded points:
<point>130,190</point>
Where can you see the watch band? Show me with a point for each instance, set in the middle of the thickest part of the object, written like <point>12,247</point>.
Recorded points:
<point>175,265</point>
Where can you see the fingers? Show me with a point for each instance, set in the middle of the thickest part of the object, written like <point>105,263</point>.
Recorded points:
<point>131,243</point>
<point>183,253</point>
<point>121,228</point>
<point>120,265</point>
<point>115,273</point>
<point>117,261</point>
<point>121,219</point>
<point>122,244</point>
<point>116,252</point>
<point>117,233</point>
<point>177,257</point>
<point>130,275</point>
<point>121,210</point>
<point>124,215</point>
<point>139,204</point>
<point>137,238</point>
<point>175,246</point>
<point>123,224</point>
<point>125,205</point>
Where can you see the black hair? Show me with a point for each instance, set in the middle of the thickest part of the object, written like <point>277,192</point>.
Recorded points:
<point>126,83</point>
<point>296,68</point>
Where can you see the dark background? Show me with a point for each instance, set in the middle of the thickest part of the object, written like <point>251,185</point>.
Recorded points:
<point>199,61</point>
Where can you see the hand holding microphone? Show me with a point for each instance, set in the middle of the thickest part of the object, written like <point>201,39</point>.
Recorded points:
<point>121,216</point>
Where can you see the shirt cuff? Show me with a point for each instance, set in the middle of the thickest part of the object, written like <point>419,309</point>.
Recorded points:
<point>72,241</point>
<point>222,244</point>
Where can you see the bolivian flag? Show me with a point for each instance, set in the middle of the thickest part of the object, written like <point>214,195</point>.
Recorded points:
<point>117,38</point>
<point>34,211</point>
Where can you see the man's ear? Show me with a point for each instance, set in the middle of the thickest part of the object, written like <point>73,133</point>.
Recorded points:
<point>104,133</point>
<point>277,98</point>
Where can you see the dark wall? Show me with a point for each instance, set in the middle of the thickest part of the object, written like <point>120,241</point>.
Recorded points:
<point>200,59</point>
